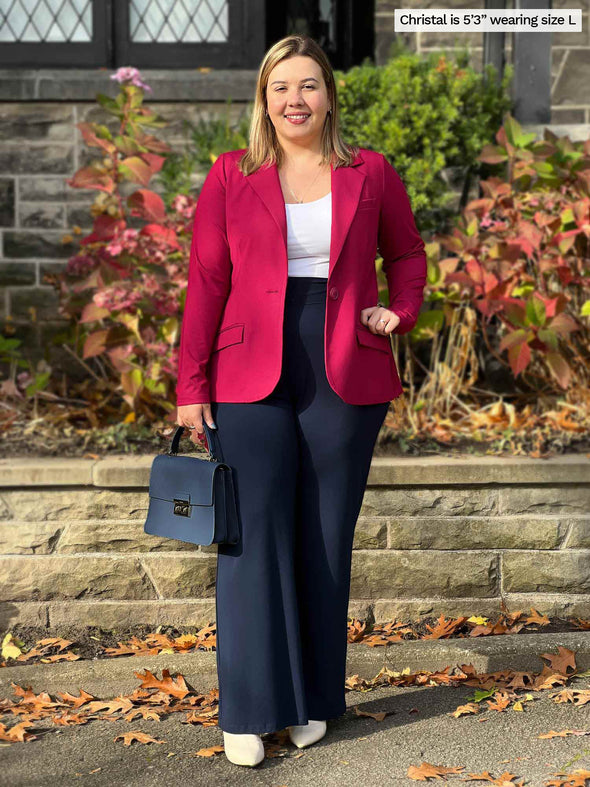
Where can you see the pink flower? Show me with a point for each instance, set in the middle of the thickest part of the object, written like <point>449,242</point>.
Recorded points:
<point>114,249</point>
<point>130,74</point>
<point>23,379</point>
<point>81,265</point>
<point>117,299</point>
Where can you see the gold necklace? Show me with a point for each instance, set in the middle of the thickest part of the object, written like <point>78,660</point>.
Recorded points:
<point>306,190</point>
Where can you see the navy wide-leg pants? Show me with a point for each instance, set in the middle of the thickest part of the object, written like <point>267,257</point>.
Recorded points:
<point>300,458</point>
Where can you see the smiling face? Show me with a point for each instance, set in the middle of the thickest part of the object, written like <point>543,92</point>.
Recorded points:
<point>296,87</point>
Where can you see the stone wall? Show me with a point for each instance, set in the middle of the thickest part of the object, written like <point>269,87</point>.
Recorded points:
<point>452,536</point>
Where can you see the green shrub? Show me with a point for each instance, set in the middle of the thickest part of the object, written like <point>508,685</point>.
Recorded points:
<point>424,114</point>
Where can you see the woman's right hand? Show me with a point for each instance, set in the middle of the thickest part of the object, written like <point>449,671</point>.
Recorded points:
<point>193,415</point>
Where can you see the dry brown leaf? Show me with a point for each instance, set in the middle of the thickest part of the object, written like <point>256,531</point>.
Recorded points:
<point>43,645</point>
<point>549,678</point>
<point>211,751</point>
<point>37,701</point>
<point>60,657</point>
<point>562,733</point>
<point>136,735</point>
<point>356,630</point>
<point>76,701</point>
<point>537,618</point>
<point>18,733</point>
<point>175,688</point>
<point>428,771</point>
<point>151,714</point>
<point>207,718</point>
<point>499,702</point>
<point>575,696</point>
<point>69,719</point>
<point>521,680</point>
<point>463,710</point>
<point>116,705</point>
<point>444,627</point>
<point>186,641</point>
<point>377,716</point>
<point>561,661</point>
<point>577,778</point>
<point>505,780</point>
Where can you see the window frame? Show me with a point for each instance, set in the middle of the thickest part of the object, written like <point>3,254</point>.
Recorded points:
<point>110,46</point>
<point>35,54</point>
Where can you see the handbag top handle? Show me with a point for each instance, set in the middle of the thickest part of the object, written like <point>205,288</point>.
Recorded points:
<point>213,447</point>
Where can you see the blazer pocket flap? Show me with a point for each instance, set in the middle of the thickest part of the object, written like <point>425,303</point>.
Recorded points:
<point>367,204</point>
<point>375,340</point>
<point>233,334</point>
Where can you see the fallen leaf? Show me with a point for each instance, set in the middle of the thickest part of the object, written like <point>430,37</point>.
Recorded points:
<point>377,716</point>
<point>563,733</point>
<point>428,771</point>
<point>211,751</point>
<point>117,705</point>
<point>462,710</point>
<point>10,649</point>
<point>135,735</point>
<point>167,685</point>
<point>17,733</point>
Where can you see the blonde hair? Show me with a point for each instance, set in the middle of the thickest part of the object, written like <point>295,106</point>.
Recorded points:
<point>263,144</point>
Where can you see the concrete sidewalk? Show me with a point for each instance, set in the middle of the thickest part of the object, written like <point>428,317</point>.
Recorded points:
<point>418,726</point>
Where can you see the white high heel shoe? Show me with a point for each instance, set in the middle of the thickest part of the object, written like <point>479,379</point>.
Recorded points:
<point>306,734</point>
<point>243,748</point>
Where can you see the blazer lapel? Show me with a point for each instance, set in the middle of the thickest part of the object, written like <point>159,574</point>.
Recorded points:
<point>347,185</point>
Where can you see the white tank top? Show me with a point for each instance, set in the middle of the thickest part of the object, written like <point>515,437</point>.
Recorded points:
<point>309,227</point>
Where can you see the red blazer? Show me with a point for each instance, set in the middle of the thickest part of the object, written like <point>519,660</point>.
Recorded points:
<point>232,331</point>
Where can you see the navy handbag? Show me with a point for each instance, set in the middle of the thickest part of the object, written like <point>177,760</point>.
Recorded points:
<point>193,499</point>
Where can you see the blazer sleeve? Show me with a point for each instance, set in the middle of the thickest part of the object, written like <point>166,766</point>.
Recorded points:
<point>209,278</point>
<point>402,250</point>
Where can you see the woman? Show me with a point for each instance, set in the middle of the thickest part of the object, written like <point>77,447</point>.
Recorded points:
<point>286,353</point>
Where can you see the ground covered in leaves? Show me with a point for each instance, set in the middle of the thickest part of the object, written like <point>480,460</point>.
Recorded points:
<point>95,643</point>
<point>60,718</point>
<point>543,427</point>
<point>40,438</point>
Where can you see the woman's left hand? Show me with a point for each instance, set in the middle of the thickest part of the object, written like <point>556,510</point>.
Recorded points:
<point>371,316</point>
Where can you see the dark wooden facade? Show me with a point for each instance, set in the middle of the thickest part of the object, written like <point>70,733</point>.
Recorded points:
<point>177,33</point>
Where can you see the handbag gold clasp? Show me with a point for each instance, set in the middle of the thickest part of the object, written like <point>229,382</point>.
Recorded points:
<point>181,507</point>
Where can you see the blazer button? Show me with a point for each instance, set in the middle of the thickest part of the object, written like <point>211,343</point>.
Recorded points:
<point>333,293</point>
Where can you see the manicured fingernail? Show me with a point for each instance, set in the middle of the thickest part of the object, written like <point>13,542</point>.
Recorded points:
<point>213,425</point>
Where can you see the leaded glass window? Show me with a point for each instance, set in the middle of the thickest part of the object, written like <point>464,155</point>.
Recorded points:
<point>172,21</point>
<point>45,20</point>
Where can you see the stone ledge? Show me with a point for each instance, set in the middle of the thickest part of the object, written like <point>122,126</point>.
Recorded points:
<point>383,609</point>
<point>467,470</point>
<point>82,84</point>
<point>39,471</point>
<point>577,132</point>
<point>132,471</point>
<point>117,614</point>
